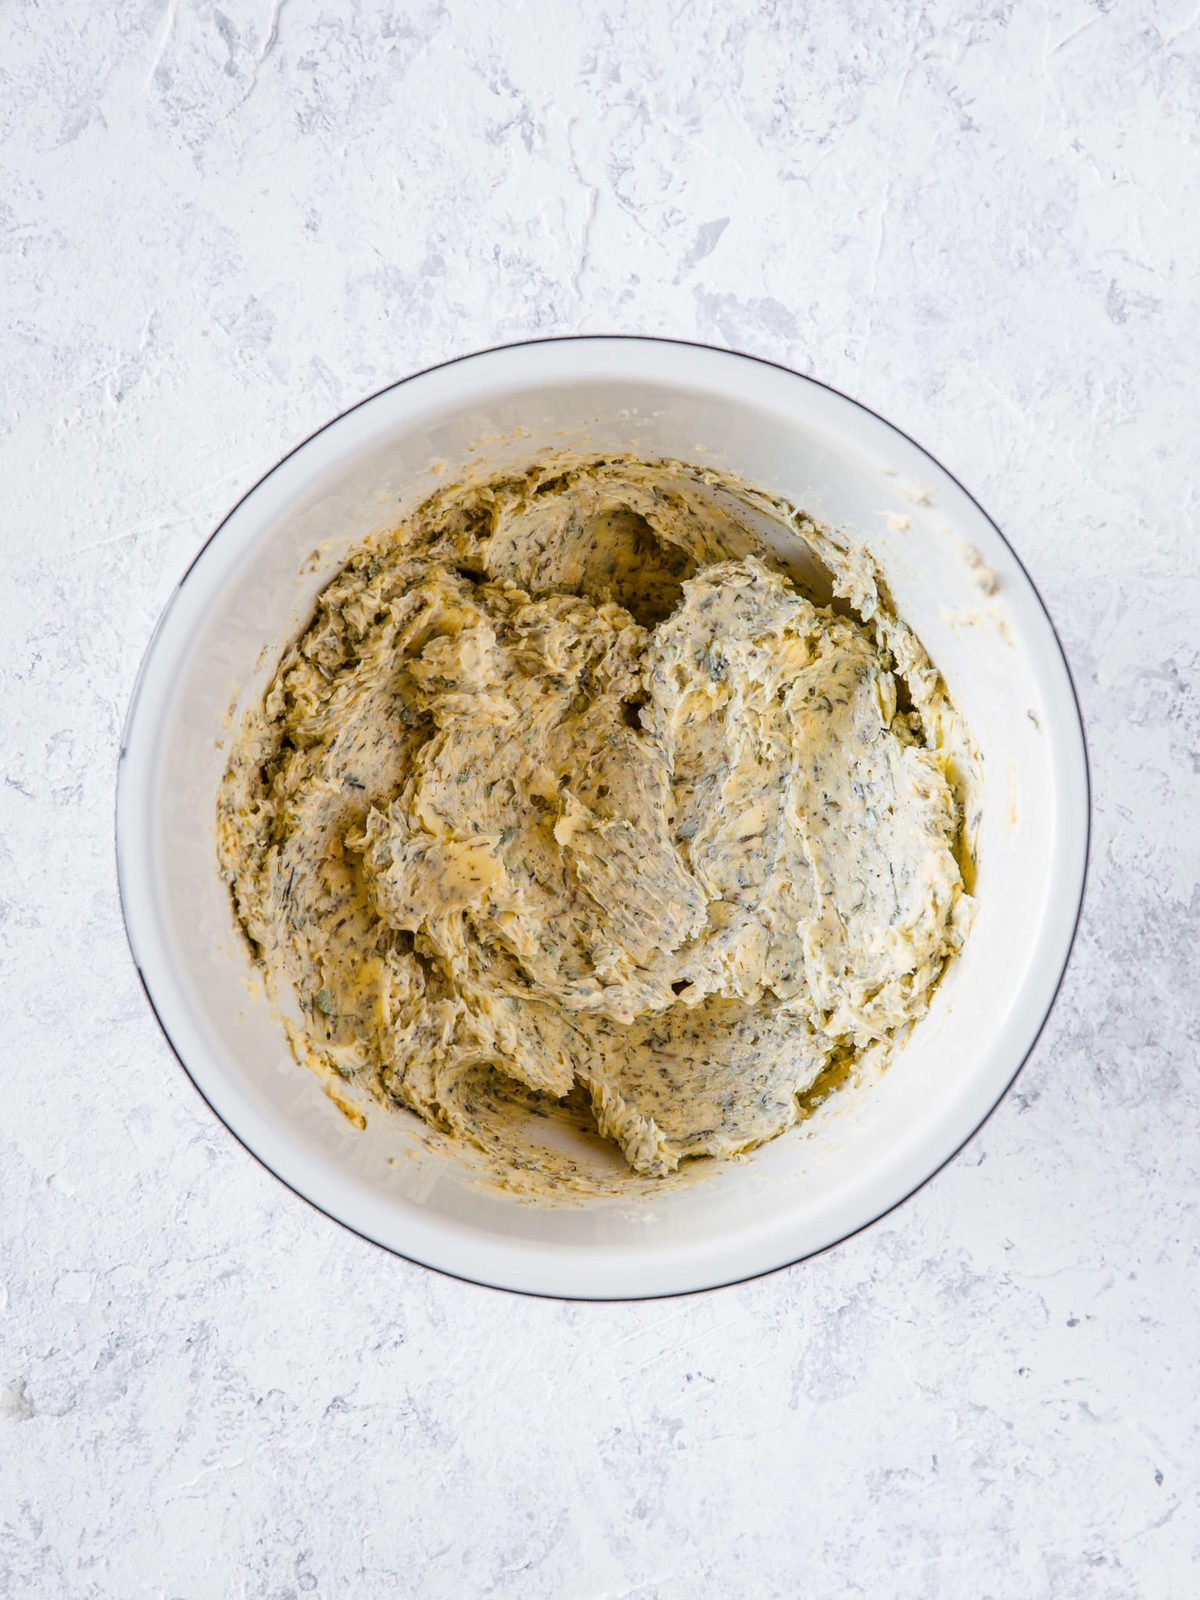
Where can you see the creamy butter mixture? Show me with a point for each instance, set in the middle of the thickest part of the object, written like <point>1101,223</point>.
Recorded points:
<point>567,788</point>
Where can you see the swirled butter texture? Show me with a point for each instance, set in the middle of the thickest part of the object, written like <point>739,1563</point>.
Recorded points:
<point>569,789</point>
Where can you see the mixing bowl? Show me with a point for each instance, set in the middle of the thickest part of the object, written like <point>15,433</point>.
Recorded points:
<point>955,580</point>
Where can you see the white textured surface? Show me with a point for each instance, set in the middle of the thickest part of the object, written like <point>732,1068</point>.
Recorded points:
<point>219,227</point>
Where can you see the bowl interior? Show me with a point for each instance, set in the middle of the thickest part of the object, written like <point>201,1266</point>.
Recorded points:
<point>954,579</point>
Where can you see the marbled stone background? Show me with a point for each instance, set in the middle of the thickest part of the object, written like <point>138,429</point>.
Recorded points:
<point>219,225</point>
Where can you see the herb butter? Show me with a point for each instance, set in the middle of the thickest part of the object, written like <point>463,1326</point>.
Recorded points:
<point>568,789</point>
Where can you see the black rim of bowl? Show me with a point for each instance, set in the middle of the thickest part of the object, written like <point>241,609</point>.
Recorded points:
<point>724,1283</point>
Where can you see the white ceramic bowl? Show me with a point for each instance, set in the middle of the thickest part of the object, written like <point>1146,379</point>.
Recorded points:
<point>250,590</point>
